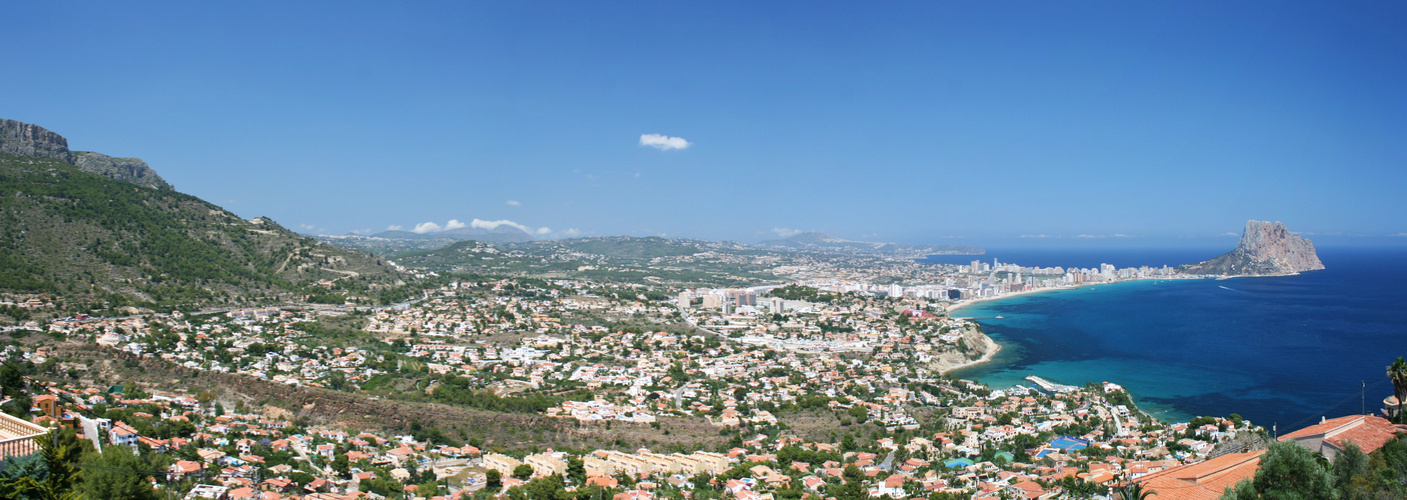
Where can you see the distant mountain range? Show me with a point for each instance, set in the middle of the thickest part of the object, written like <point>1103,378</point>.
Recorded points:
<point>822,241</point>
<point>503,233</point>
<point>390,243</point>
<point>396,243</point>
<point>645,260</point>
<point>110,232</point>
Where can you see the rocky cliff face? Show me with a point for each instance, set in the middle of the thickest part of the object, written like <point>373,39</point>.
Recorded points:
<point>27,139</point>
<point>1265,248</point>
<point>132,170</point>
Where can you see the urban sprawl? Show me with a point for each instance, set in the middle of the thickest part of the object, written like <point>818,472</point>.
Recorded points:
<point>827,386</point>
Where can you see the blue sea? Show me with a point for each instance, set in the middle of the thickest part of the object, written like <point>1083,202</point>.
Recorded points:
<point>1276,350</point>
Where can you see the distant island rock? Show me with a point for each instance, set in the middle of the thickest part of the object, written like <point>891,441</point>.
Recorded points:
<point>27,139</point>
<point>822,241</point>
<point>1266,248</point>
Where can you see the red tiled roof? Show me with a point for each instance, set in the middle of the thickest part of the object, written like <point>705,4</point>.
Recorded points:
<point>1203,480</point>
<point>1367,432</point>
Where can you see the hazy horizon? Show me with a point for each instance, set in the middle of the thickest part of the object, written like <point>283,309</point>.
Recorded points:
<point>932,123</point>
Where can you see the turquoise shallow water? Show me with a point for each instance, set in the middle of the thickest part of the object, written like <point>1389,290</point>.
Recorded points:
<point>1277,350</point>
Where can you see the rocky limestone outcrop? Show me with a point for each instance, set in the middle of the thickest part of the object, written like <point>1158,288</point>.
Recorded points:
<point>132,170</point>
<point>1265,248</point>
<point>975,348</point>
<point>27,139</point>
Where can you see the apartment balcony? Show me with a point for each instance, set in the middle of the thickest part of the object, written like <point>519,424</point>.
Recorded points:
<point>18,437</point>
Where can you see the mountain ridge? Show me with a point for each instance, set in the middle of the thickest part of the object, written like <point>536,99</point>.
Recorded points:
<point>27,139</point>
<point>503,233</point>
<point>92,238</point>
<point>813,240</point>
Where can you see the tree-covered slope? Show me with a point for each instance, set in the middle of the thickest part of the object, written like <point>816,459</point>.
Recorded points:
<point>651,260</point>
<point>85,236</point>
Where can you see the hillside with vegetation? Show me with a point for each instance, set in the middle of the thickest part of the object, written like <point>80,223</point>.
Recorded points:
<point>649,260</point>
<point>101,242</point>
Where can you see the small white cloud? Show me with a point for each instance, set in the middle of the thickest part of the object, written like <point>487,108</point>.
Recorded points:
<point>1101,236</point>
<point>362,231</point>
<point>1229,233</point>
<point>1039,236</point>
<point>490,225</point>
<point>663,142</point>
<point>394,227</point>
<point>487,225</point>
<point>1398,235</point>
<point>570,232</point>
<point>514,203</point>
<point>306,227</point>
<point>786,232</point>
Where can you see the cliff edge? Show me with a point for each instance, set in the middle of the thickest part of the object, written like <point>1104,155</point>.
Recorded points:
<point>1265,248</point>
<point>132,170</point>
<point>27,139</point>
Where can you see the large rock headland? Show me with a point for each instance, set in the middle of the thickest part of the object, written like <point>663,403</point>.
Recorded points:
<point>1266,248</point>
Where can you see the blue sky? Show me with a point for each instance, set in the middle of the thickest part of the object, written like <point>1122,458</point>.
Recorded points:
<point>1128,123</point>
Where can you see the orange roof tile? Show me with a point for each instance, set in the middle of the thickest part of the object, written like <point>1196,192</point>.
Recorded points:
<point>1203,480</point>
<point>1367,432</point>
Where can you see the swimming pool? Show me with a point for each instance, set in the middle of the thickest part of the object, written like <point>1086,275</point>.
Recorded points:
<point>956,463</point>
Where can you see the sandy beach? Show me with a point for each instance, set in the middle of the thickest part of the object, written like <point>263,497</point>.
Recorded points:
<point>966,303</point>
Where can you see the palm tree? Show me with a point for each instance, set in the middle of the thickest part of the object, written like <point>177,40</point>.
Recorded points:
<point>1397,371</point>
<point>1132,491</point>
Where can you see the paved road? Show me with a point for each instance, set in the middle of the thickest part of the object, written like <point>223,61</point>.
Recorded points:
<point>1118,423</point>
<point>90,428</point>
<point>690,320</point>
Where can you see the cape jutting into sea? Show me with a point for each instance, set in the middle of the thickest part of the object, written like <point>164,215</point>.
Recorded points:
<point>1276,350</point>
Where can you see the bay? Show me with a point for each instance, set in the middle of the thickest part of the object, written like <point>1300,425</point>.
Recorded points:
<point>1282,350</point>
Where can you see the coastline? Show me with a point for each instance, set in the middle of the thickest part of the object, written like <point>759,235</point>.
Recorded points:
<point>993,347</point>
<point>965,303</point>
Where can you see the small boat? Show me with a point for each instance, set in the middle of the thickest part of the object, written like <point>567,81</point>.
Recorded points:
<point>1000,317</point>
